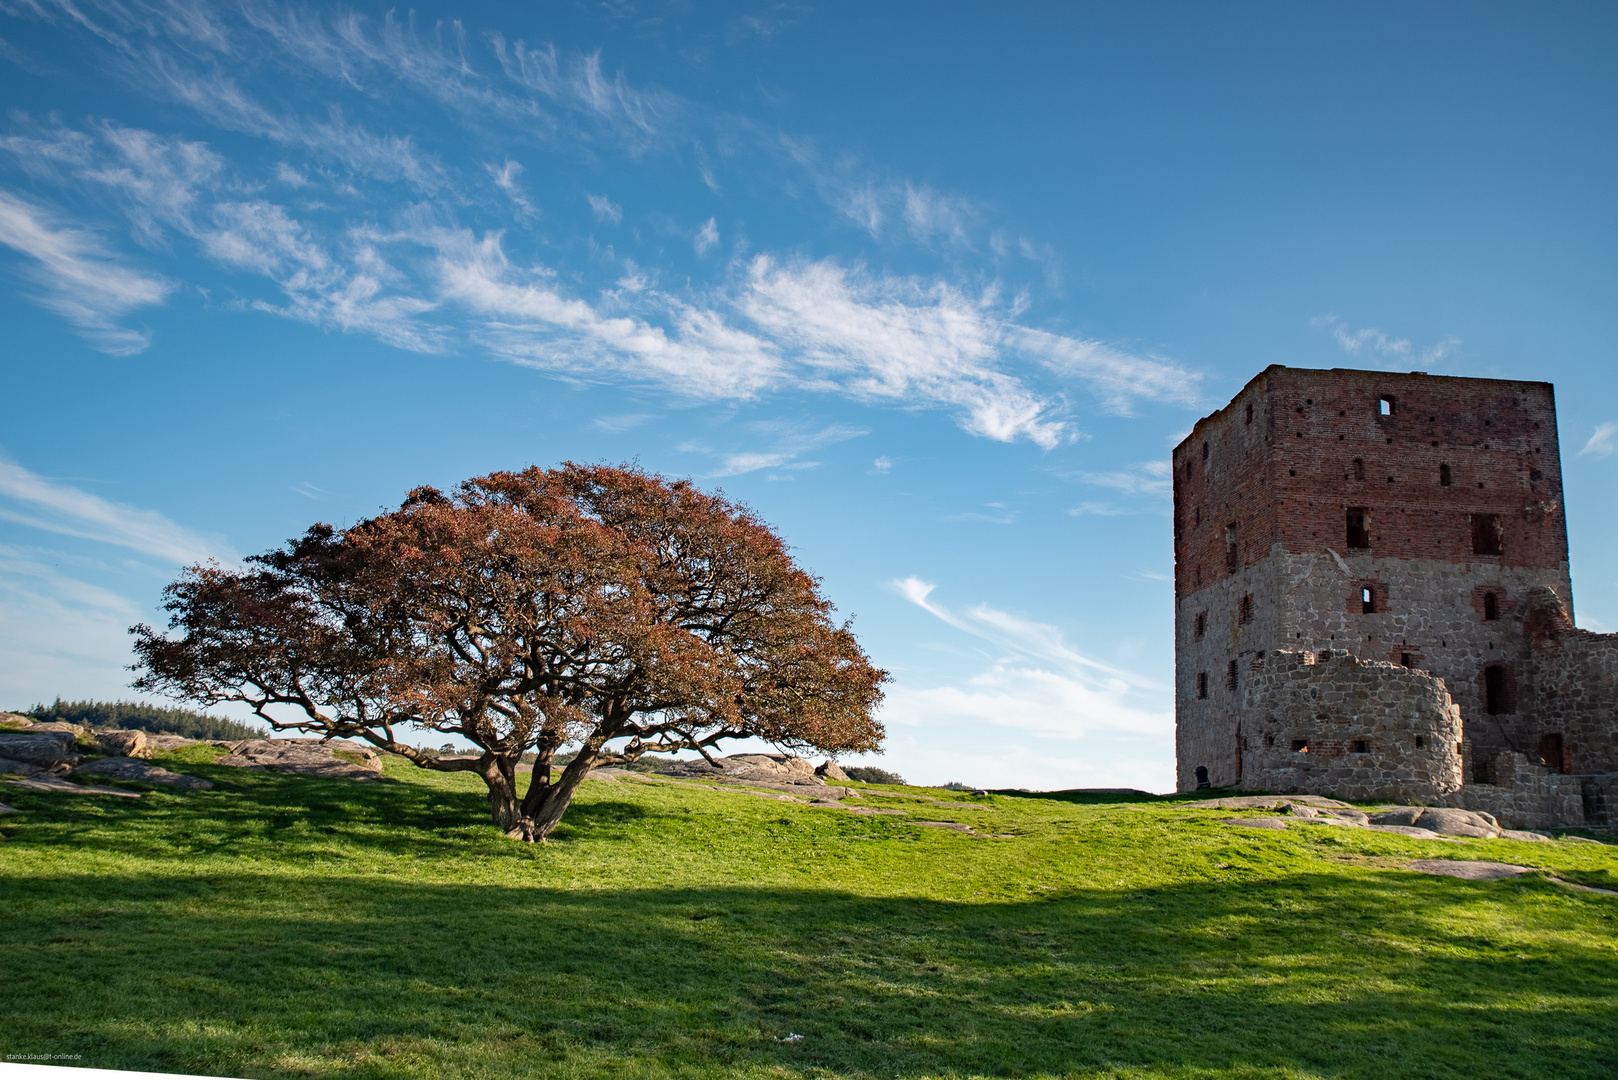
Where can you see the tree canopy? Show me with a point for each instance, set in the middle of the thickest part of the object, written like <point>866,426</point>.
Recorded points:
<point>596,607</point>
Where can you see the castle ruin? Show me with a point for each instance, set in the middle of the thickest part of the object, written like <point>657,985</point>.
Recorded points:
<point>1373,600</point>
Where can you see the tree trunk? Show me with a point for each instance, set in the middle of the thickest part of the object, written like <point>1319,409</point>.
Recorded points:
<point>540,811</point>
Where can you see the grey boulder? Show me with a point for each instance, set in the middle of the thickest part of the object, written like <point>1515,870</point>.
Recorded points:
<point>129,744</point>
<point>127,768</point>
<point>307,757</point>
<point>828,770</point>
<point>1441,819</point>
<point>43,748</point>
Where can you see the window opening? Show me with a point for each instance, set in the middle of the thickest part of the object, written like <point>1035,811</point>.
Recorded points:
<point>1491,607</point>
<point>1230,675</point>
<point>1269,740</point>
<point>1358,536</point>
<point>1202,684</point>
<point>1249,413</point>
<point>1360,747</point>
<point>1367,600</point>
<point>1443,475</point>
<point>1496,693</point>
<point>1485,534</point>
<point>1550,751</point>
<point>1384,405</point>
<point>1230,548</point>
<point>1420,742</point>
<point>1204,451</point>
<point>1300,746</point>
<point>1244,610</point>
<point>1404,659</point>
<point>1359,468</point>
<point>1199,626</point>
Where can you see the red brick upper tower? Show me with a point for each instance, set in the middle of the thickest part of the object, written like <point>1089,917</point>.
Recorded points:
<point>1404,518</point>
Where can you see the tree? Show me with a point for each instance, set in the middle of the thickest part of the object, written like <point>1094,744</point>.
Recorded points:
<point>590,606</point>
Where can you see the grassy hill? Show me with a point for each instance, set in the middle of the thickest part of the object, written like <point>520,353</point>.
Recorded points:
<point>287,926</point>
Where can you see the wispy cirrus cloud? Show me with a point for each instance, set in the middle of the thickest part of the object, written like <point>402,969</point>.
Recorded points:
<point>348,248</point>
<point>43,503</point>
<point>1037,695</point>
<point>1151,479</point>
<point>1369,341</point>
<point>1602,442</point>
<point>785,442</point>
<point>77,277</point>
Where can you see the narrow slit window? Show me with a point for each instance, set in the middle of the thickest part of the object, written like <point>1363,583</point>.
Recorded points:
<point>1244,610</point>
<point>1420,742</point>
<point>1385,405</point>
<point>1269,740</point>
<point>1486,534</point>
<point>1232,557</point>
<point>1491,606</point>
<point>1358,469</point>
<point>1199,625</point>
<point>1230,675</point>
<point>1358,535</point>
<point>1367,600</point>
<point>1249,413</point>
<point>1443,476</point>
<point>1404,659</point>
<point>1497,691</point>
<point>1202,684</point>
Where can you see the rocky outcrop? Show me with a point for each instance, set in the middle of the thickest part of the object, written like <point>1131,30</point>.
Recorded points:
<point>45,748</point>
<point>128,768</point>
<point>1442,820</point>
<point>828,770</point>
<point>129,744</point>
<point>338,758</point>
<point>771,768</point>
<point>51,783</point>
<point>1524,795</point>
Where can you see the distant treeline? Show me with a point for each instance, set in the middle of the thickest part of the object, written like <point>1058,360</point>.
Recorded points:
<point>870,774</point>
<point>153,718</point>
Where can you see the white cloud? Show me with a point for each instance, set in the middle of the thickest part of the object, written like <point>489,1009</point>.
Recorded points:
<point>1151,479</point>
<point>1098,509</point>
<point>505,178</point>
<point>1371,341</point>
<point>78,277</point>
<point>605,209</point>
<point>787,442</point>
<point>1038,711</point>
<point>60,508</point>
<point>59,635</point>
<point>882,465</point>
<point>897,339</point>
<point>532,322</point>
<point>707,237</point>
<point>1603,441</point>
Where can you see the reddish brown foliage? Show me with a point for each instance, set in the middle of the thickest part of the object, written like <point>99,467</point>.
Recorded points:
<point>529,611</point>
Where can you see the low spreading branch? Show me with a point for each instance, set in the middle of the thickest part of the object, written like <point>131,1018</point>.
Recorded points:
<point>525,613</point>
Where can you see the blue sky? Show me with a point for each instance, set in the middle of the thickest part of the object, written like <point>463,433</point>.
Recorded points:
<point>934,288</point>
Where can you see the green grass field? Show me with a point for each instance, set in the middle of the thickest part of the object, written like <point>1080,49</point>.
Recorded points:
<point>287,926</point>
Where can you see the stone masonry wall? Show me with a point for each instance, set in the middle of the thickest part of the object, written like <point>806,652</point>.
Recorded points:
<point>1571,689</point>
<point>1524,795</point>
<point>1338,725</point>
<point>1266,490</point>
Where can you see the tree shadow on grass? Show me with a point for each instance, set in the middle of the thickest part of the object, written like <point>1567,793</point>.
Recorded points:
<point>249,809</point>
<point>251,975</point>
